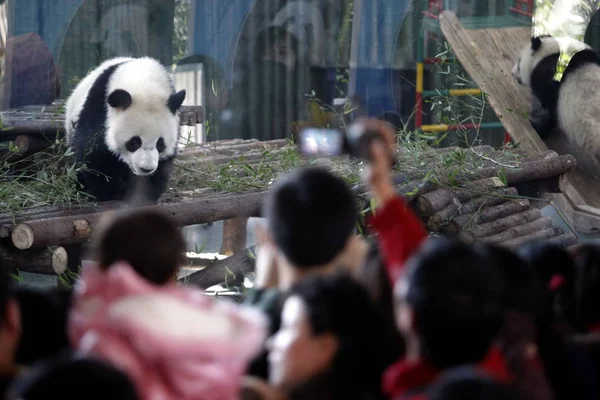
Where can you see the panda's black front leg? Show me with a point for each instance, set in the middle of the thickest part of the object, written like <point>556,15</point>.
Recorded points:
<point>542,119</point>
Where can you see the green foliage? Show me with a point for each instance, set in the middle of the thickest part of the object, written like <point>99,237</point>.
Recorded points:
<point>47,178</point>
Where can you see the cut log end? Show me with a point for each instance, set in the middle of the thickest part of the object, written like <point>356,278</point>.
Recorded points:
<point>60,260</point>
<point>23,236</point>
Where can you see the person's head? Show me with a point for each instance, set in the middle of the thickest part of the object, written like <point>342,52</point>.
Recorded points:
<point>524,291</point>
<point>555,268</point>
<point>330,327</point>
<point>451,298</point>
<point>10,320</point>
<point>587,287</point>
<point>467,383</point>
<point>311,216</point>
<point>68,377</point>
<point>148,240</point>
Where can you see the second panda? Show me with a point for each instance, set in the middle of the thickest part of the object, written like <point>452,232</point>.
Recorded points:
<point>122,121</point>
<point>573,104</point>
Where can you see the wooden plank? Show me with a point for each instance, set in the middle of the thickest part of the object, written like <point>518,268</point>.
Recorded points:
<point>488,56</point>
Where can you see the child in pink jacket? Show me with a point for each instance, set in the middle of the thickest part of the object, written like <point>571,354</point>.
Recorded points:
<point>172,341</point>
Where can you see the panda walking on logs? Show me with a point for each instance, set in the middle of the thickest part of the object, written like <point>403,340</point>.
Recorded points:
<point>122,121</point>
<point>573,104</point>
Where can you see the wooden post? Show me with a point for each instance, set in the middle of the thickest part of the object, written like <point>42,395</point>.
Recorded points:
<point>234,235</point>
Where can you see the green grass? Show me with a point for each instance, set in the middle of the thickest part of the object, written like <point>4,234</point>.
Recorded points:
<point>47,178</point>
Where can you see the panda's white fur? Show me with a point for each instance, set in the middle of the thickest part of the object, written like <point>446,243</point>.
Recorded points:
<point>125,108</point>
<point>573,105</point>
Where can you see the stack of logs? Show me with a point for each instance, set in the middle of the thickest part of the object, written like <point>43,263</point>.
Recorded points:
<point>485,209</point>
<point>477,207</point>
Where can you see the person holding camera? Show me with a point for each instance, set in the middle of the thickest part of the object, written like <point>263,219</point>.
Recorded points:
<point>400,231</point>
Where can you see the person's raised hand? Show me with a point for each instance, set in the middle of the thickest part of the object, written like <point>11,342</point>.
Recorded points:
<point>378,174</point>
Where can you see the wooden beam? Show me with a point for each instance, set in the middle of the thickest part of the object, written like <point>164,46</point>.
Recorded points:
<point>488,56</point>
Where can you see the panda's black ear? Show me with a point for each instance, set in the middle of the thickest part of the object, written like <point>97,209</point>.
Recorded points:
<point>536,43</point>
<point>120,99</point>
<point>175,101</point>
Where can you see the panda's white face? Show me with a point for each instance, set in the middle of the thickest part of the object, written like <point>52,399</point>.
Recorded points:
<point>142,138</point>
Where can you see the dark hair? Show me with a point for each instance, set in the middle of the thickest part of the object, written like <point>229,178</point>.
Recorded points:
<point>555,268</point>
<point>146,239</point>
<point>44,316</point>
<point>524,291</point>
<point>466,383</point>
<point>70,377</point>
<point>311,215</point>
<point>587,286</point>
<point>457,296</point>
<point>341,306</point>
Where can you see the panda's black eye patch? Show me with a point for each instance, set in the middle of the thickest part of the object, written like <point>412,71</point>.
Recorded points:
<point>160,145</point>
<point>133,144</point>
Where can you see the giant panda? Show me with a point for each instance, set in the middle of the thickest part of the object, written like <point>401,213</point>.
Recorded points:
<point>122,121</point>
<point>573,104</point>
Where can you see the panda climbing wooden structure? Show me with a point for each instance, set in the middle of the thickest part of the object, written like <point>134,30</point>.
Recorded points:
<point>122,121</point>
<point>571,105</point>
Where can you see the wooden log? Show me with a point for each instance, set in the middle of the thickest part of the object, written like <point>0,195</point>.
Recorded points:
<point>436,200</point>
<point>500,225</point>
<point>42,122</point>
<point>544,155</point>
<point>75,229</point>
<point>230,149</point>
<point>527,171</point>
<point>565,240</point>
<point>535,236</point>
<point>45,260</point>
<point>439,219</point>
<point>9,221</point>
<point>230,270</point>
<point>22,145</point>
<point>234,235</point>
<point>489,214</point>
<point>521,230</point>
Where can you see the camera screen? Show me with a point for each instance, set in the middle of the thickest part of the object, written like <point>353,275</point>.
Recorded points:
<point>326,142</point>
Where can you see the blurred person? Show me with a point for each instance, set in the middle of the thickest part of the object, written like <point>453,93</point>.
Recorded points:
<point>568,366</point>
<point>331,343</point>
<point>518,338</point>
<point>172,341</point>
<point>10,330</point>
<point>310,216</point>
<point>449,303</point>
<point>71,377</point>
<point>467,383</point>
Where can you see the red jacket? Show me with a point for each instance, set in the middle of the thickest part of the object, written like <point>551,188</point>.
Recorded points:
<point>400,231</point>
<point>409,380</point>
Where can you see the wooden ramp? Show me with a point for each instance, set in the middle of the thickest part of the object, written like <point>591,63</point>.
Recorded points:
<point>488,56</point>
